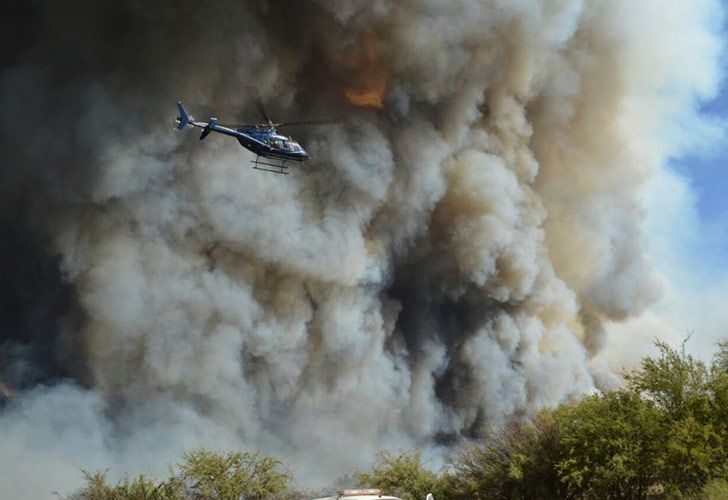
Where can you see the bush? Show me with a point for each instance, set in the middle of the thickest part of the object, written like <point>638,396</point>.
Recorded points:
<point>693,401</point>
<point>403,474</point>
<point>610,447</point>
<point>518,462</point>
<point>717,489</point>
<point>232,475</point>
<point>141,488</point>
<point>665,435</point>
<point>201,474</point>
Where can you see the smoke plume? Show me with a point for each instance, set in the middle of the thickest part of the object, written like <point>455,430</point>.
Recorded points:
<point>469,225</point>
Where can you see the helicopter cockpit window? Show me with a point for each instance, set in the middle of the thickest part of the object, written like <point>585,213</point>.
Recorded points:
<point>275,143</point>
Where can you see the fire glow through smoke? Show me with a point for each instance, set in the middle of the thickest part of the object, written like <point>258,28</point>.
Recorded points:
<point>450,259</point>
<point>369,94</point>
<point>369,73</point>
<point>6,391</point>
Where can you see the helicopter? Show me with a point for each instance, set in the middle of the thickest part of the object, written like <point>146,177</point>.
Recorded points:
<point>262,139</point>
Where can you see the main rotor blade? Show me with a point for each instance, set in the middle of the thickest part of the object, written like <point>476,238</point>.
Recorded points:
<point>306,122</point>
<point>276,125</point>
<point>261,109</point>
<point>243,125</point>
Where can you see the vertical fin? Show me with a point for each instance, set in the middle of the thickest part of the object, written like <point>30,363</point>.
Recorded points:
<point>183,119</point>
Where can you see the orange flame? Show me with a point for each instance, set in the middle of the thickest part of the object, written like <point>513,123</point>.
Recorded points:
<point>369,94</point>
<point>370,77</point>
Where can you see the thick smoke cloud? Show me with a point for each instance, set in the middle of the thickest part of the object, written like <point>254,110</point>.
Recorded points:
<point>449,260</point>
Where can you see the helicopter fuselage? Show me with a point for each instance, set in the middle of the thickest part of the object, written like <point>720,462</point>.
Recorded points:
<point>262,140</point>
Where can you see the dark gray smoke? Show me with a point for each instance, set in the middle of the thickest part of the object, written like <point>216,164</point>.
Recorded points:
<point>450,258</point>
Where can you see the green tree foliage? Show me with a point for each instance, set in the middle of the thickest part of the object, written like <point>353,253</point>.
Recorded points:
<point>201,475</point>
<point>140,488</point>
<point>232,475</point>
<point>717,412</point>
<point>717,489</point>
<point>402,474</point>
<point>609,447</point>
<point>664,435</point>
<point>674,380</point>
<point>518,462</point>
<point>693,402</point>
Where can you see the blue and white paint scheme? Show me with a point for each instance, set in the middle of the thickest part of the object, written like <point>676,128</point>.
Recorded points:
<point>263,140</point>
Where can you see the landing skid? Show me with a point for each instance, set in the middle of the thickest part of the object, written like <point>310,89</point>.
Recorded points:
<point>276,168</point>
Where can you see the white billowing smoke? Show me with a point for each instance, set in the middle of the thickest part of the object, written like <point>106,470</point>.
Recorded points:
<point>448,260</point>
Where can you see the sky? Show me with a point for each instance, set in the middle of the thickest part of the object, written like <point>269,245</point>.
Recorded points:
<point>706,169</point>
<point>686,228</point>
<point>709,173</point>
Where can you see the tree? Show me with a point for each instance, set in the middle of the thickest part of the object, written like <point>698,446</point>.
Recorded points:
<point>610,447</point>
<point>674,380</point>
<point>720,359</point>
<point>664,435</point>
<point>693,400</point>
<point>140,488</point>
<point>715,490</point>
<point>232,475</point>
<point>718,413</point>
<point>517,462</point>
<point>402,474</point>
<point>201,475</point>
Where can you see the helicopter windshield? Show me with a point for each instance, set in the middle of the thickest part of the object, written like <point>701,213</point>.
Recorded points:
<point>285,144</point>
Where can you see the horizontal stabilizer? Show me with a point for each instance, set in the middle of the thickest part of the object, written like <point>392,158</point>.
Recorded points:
<point>208,128</point>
